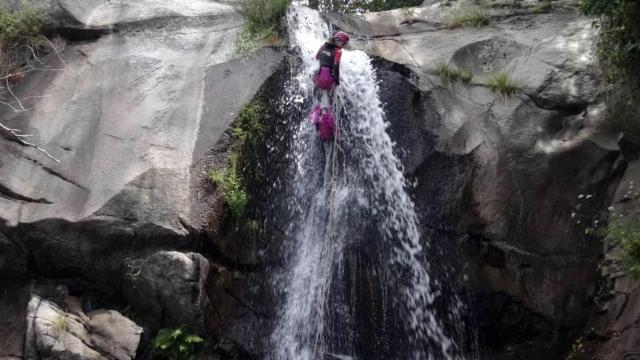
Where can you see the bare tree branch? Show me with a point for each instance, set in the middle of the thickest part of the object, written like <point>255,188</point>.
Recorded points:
<point>26,55</point>
<point>14,134</point>
<point>55,51</point>
<point>14,95</point>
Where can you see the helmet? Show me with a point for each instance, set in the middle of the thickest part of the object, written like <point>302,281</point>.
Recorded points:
<point>341,36</point>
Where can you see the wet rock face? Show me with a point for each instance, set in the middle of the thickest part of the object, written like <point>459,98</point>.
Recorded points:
<point>613,330</point>
<point>495,179</point>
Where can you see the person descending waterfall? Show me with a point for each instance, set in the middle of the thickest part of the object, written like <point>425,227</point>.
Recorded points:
<point>329,57</point>
<point>327,77</point>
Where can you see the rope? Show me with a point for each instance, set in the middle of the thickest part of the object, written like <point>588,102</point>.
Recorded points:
<point>329,228</point>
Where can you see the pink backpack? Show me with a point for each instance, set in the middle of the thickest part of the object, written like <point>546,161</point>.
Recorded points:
<point>324,121</point>
<point>323,79</point>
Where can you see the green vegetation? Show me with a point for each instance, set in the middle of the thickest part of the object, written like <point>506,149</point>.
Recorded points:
<point>232,190</point>
<point>175,344</point>
<point>248,125</point>
<point>21,26</point>
<point>619,45</point>
<point>60,324</point>
<point>451,74</point>
<point>626,234</point>
<point>469,15</point>
<point>502,84</point>
<point>263,22</point>
<point>543,8</point>
<point>20,38</point>
<point>247,129</point>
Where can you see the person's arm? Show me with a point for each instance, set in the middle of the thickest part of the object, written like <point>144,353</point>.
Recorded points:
<point>318,53</point>
<point>336,66</point>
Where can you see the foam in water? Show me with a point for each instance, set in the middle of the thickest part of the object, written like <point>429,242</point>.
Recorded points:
<point>361,173</point>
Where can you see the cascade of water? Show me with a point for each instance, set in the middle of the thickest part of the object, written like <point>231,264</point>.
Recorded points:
<point>358,201</point>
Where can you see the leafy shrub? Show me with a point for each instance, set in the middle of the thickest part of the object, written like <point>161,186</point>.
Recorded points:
<point>619,45</point>
<point>451,74</point>
<point>502,84</point>
<point>20,39</point>
<point>21,26</point>
<point>175,344</point>
<point>469,15</point>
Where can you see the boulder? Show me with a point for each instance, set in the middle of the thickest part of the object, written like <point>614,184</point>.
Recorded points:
<point>52,333</point>
<point>167,290</point>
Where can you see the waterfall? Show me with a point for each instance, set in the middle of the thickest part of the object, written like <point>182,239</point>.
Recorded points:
<point>354,223</point>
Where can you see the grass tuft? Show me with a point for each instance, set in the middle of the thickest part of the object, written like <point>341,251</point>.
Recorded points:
<point>60,324</point>
<point>469,15</point>
<point>502,84</point>
<point>232,190</point>
<point>451,74</point>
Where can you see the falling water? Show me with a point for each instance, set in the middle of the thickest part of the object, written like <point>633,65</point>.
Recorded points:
<point>349,195</point>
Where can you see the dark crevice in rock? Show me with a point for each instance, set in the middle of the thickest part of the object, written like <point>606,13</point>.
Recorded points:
<point>170,22</point>
<point>52,172</point>
<point>209,248</point>
<point>7,193</point>
<point>75,34</point>
<point>566,109</point>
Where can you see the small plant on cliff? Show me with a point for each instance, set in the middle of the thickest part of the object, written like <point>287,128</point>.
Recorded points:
<point>247,128</point>
<point>231,188</point>
<point>248,125</point>
<point>59,324</point>
<point>451,74</point>
<point>502,84</point>
<point>175,344</point>
<point>469,15</point>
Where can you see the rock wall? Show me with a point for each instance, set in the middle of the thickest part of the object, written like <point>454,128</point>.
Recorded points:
<point>495,177</point>
<point>136,110</point>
